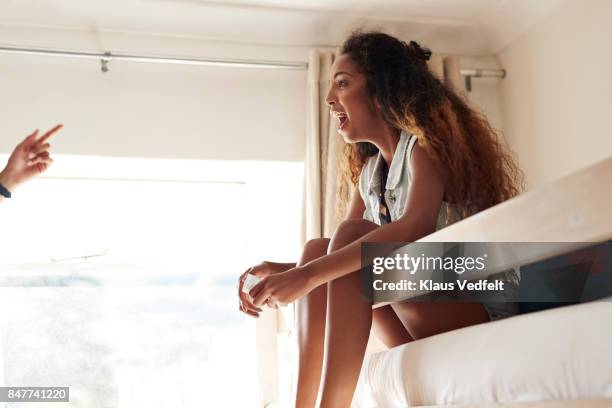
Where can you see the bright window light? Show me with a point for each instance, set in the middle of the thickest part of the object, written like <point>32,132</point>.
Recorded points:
<point>117,278</point>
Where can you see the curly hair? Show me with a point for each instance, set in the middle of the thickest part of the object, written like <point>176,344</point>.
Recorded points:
<point>477,170</point>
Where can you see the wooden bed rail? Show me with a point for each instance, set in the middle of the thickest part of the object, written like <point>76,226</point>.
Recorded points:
<point>574,209</point>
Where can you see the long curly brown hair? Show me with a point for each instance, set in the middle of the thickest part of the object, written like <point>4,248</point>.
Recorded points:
<point>478,171</point>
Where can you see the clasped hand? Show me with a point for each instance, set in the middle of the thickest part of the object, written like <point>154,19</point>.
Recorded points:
<point>277,287</point>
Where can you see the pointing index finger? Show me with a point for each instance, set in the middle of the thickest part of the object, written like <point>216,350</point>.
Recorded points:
<point>49,133</point>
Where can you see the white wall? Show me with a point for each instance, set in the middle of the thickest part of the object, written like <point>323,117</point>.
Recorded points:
<point>555,101</point>
<point>153,110</point>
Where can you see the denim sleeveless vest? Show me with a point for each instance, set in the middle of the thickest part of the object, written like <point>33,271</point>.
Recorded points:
<point>397,187</point>
<point>398,184</point>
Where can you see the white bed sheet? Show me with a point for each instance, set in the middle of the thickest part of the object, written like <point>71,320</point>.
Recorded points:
<point>559,354</point>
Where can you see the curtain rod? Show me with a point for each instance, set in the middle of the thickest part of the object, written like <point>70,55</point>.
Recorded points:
<point>478,73</point>
<point>106,57</point>
<point>470,73</point>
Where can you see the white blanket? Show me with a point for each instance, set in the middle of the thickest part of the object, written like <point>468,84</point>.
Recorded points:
<point>558,354</point>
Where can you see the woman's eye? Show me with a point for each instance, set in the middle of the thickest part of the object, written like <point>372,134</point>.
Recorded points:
<point>342,83</point>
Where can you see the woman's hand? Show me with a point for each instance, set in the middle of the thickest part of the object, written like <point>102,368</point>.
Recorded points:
<point>282,288</point>
<point>30,158</point>
<point>261,271</point>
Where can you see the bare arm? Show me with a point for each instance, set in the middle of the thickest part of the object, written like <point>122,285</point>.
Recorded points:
<point>419,219</point>
<point>281,266</point>
<point>356,208</point>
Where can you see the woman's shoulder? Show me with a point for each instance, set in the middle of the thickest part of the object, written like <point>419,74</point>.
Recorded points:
<point>370,163</point>
<point>368,168</point>
<point>366,173</point>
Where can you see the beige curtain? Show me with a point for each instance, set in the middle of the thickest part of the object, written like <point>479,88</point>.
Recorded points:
<point>323,148</point>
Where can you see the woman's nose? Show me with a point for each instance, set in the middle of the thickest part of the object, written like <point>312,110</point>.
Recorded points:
<point>330,99</point>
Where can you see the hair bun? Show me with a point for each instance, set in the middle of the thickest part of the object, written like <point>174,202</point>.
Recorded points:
<point>420,52</point>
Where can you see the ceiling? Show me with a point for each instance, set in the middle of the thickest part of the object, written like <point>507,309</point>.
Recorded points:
<point>472,27</point>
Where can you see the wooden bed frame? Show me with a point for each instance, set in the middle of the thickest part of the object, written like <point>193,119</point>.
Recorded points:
<point>574,209</point>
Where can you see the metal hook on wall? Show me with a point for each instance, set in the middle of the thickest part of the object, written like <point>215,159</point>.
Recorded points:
<point>105,60</point>
<point>479,73</point>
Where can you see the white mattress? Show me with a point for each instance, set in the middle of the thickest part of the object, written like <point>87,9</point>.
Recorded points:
<point>558,354</point>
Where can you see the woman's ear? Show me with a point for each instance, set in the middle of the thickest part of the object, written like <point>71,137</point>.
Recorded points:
<point>375,102</point>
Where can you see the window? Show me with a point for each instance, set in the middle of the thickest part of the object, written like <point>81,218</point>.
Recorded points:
<point>117,278</point>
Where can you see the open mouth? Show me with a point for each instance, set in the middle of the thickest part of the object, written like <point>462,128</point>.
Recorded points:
<point>341,116</point>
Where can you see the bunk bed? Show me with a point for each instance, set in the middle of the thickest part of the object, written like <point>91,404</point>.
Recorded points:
<point>555,358</point>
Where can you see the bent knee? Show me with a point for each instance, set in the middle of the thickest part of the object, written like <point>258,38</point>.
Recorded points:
<point>314,248</point>
<point>355,228</point>
<point>316,243</point>
<point>350,230</point>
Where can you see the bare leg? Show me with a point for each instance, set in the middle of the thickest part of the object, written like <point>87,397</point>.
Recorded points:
<point>424,319</point>
<point>310,324</point>
<point>350,317</point>
<point>388,327</point>
<point>349,320</point>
